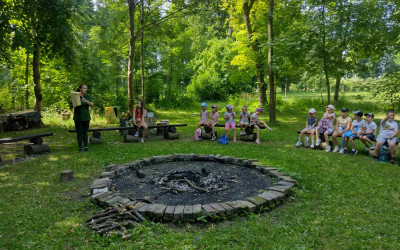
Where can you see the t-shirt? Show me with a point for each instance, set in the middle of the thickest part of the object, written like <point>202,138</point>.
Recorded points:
<point>81,113</point>
<point>255,118</point>
<point>138,113</point>
<point>214,117</point>
<point>204,117</point>
<point>311,121</point>
<point>245,116</point>
<point>388,128</point>
<point>343,121</point>
<point>370,126</point>
<point>358,125</point>
<point>230,114</point>
<point>331,120</point>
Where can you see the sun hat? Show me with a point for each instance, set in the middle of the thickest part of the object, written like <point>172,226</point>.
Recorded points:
<point>229,106</point>
<point>345,110</point>
<point>204,104</point>
<point>370,114</point>
<point>214,106</point>
<point>358,113</point>
<point>312,111</point>
<point>330,106</point>
<point>260,110</point>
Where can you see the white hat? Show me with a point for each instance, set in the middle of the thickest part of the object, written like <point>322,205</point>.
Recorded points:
<point>330,106</point>
<point>312,110</point>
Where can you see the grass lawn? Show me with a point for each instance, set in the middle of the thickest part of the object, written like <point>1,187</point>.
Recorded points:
<point>341,201</point>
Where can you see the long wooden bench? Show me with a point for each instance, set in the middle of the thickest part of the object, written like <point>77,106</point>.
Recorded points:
<point>37,139</point>
<point>248,136</point>
<point>168,131</point>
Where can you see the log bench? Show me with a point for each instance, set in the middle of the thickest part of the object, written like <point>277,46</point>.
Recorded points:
<point>37,146</point>
<point>249,136</point>
<point>168,131</point>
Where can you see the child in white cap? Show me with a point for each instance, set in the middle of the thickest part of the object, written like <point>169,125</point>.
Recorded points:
<point>325,126</point>
<point>312,121</point>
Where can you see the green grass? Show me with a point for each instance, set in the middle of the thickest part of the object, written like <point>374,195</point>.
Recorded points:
<point>340,202</point>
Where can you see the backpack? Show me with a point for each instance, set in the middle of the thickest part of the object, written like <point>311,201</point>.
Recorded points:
<point>383,154</point>
<point>223,140</point>
<point>198,135</point>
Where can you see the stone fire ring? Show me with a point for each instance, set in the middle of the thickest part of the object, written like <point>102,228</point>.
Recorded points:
<point>185,212</point>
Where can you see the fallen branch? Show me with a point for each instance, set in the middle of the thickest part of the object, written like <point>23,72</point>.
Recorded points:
<point>223,188</point>
<point>196,187</point>
<point>96,216</point>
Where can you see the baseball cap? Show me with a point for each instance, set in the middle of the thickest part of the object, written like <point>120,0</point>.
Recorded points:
<point>370,114</point>
<point>330,106</point>
<point>229,106</point>
<point>259,110</point>
<point>312,110</point>
<point>204,104</point>
<point>345,110</point>
<point>213,106</point>
<point>358,113</point>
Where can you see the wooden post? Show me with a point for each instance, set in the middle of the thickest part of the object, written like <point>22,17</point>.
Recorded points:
<point>171,136</point>
<point>131,138</point>
<point>250,137</point>
<point>94,140</point>
<point>34,149</point>
<point>67,175</point>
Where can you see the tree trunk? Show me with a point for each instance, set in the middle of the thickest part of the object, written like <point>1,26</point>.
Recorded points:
<point>132,41</point>
<point>254,44</point>
<point>142,54</point>
<point>338,77</point>
<point>328,87</point>
<point>27,81</point>
<point>170,81</point>
<point>36,79</point>
<point>117,79</point>
<point>272,103</point>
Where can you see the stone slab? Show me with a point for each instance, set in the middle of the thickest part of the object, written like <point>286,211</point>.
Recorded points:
<point>209,210</point>
<point>237,208</point>
<point>112,167</point>
<point>101,183</point>
<point>122,169</point>
<point>287,178</point>
<point>101,200</point>
<point>276,174</point>
<point>258,201</point>
<point>142,210</point>
<point>110,174</point>
<point>159,211</point>
<point>139,205</point>
<point>99,190</point>
<point>279,188</point>
<point>269,198</point>
<point>220,210</point>
<point>247,206</point>
<point>124,201</point>
<point>197,211</point>
<point>228,209</point>
<point>178,213</point>
<point>188,212</point>
<point>169,213</point>
<point>286,183</point>
<point>114,201</point>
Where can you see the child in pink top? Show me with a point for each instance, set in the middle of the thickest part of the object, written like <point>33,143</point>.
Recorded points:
<point>229,116</point>
<point>214,120</point>
<point>204,116</point>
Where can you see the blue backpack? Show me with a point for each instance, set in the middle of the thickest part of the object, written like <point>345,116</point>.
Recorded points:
<point>223,140</point>
<point>383,154</point>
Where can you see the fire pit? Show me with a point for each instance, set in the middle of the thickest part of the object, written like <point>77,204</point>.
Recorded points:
<point>188,187</point>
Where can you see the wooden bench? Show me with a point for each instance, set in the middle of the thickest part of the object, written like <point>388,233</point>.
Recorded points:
<point>37,139</point>
<point>168,131</point>
<point>249,136</point>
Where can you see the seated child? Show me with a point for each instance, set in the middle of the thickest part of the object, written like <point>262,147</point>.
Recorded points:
<point>229,116</point>
<point>369,131</point>
<point>343,124</point>
<point>310,126</point>
<point>387,133</point>
<point>203,115</point>
<point>213,120</point>
<point>244,120</point>
<point>325,126</point>
<point>138,118</point>
<point>356,129</point>
<point>254,122</point>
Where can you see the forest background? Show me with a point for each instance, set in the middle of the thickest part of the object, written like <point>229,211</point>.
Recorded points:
<point>176,52</point>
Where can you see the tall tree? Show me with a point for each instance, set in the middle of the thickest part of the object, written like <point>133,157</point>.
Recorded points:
<point>132,43</point>
<point>272,103</point>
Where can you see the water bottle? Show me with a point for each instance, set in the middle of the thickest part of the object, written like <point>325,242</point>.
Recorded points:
<point>383,154</point>
<point>307,140</point>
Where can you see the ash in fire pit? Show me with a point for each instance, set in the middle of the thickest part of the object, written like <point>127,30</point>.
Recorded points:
<point>194,182</point>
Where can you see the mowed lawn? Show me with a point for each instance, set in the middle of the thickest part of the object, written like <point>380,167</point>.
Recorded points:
<point>341,201</point>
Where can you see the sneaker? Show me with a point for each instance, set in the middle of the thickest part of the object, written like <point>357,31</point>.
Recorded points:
<point>234,140</point>
<point>137,133</point>
<point>86,149</point>
<point>345,151</point>
<point>80,150</point>
<point>336,149</point>
<point>142,140</point>
<point>373,147</point>
<point>393,161</point>
<point>366,148</point>
<point>258,141</point>
<point>318,142</point>
<point>328,148</point>
<point>354,152</point>
<point>213,138</point>
<point>298,144</point>
<point>341,151</point>
<point>312,145</point>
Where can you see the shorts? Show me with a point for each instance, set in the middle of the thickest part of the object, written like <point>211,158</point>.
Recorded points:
<point>369,136</point>
<point>244,122</point>
<point>322,130</point>
<point>341,128</point>
<point>230,124</point>
<point>384,139</point>
<point>309,127</point>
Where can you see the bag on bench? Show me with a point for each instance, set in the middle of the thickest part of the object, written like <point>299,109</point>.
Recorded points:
<point>223,140</point>
<point>198,136</point>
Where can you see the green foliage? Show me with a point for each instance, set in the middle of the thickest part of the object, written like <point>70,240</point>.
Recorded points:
<point>387,90</point>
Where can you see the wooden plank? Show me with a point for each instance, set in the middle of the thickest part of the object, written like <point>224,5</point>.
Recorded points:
<point>127,128</point>
<point>25,137</point>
